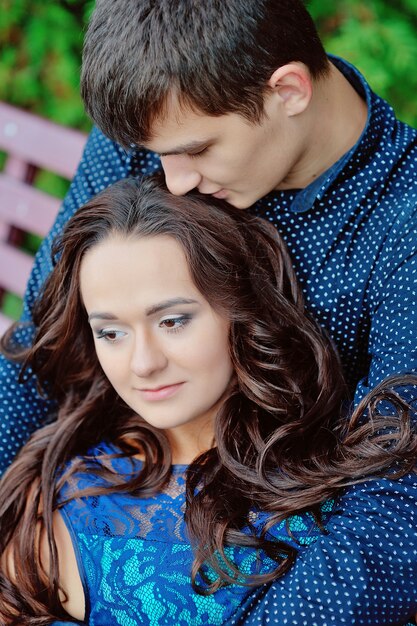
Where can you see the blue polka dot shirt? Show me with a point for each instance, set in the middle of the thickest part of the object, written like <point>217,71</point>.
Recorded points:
<point>352,234</point>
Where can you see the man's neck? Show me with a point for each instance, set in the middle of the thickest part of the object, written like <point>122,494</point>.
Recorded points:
<point>335,120</point>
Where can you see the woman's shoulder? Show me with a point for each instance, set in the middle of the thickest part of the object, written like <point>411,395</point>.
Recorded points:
<point>86,483</point>
<point>96,468</point>
<point>98,496</point>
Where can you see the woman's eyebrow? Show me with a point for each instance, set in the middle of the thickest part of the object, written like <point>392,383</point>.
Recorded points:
<point>101,316</point>
<point>166,304</point>
<point>156,308</point>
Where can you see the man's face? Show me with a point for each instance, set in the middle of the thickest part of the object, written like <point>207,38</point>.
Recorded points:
<point>227,156</point>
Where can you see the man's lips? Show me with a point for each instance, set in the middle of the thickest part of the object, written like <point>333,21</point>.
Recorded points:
<point>221,194</point>
<point>160,393</point>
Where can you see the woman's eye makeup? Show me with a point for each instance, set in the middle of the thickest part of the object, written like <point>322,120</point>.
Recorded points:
<point>109,334</point>
<point>170,323</point>
<point>174,323</point>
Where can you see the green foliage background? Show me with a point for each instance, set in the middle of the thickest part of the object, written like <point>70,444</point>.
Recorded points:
<point>41,44</point>
<point>380,38</point>
<point>40,57</point>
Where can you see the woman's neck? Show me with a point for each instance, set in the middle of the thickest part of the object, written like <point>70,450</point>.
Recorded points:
<point>186,443</point>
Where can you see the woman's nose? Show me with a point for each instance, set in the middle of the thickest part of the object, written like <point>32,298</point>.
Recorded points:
<point>148,356</point>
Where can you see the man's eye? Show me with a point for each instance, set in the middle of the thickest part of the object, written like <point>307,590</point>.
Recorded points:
<point>194,155</point>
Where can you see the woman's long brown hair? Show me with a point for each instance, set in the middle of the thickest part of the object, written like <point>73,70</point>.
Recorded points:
<point>283,444</point>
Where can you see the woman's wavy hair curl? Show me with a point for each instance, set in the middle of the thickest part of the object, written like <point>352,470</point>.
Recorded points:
<point>283,444</point>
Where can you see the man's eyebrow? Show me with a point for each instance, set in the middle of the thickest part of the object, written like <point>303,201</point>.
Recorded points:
<point>156,308</point>
<point>193,146</point>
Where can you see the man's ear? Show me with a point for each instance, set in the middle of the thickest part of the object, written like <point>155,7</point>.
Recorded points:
<point>293,84</point>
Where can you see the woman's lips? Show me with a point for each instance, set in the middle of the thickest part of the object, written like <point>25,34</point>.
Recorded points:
<point>160,393</point>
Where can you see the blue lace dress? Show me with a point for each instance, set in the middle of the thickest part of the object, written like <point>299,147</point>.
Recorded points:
<point>134,556</point>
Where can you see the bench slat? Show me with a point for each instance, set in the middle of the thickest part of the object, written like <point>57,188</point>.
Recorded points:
<point>27,208</point>
<point>39,141</point>
<point>4,323</point>
<point>15,266</point>
<point>30,143</point>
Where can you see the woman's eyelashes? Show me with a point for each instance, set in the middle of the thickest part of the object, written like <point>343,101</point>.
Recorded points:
<point>171,324</point>
<point>109,334</point>
<point>175,323</point>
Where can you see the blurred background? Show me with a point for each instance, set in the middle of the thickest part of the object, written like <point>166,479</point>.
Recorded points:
<point>40,57</point>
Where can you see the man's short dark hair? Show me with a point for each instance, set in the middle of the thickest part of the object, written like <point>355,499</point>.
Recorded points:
<point>215,56</point>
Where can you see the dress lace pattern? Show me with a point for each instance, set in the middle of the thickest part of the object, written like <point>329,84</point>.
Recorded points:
<point>135,558</point>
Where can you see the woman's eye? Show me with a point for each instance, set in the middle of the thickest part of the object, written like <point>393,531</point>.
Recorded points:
<point>175,323</point>
<point>110,335</point>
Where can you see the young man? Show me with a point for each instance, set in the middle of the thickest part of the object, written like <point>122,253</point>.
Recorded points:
<point>239,100</point>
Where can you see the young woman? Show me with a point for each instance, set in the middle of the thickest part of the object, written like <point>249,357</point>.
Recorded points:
<point>199,441</point>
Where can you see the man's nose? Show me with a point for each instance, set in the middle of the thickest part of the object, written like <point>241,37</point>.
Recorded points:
<point>180,174</point>
<point>148,357</point>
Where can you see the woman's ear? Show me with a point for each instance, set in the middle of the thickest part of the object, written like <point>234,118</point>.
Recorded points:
<point>293,85</point>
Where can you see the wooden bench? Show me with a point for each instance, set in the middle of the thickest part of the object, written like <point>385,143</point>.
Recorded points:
<point>30,143</point>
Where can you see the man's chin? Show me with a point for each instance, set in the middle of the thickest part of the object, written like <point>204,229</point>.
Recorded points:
<point>240,203</point>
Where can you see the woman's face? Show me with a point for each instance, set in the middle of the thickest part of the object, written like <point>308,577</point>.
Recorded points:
<point>160,343</point>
